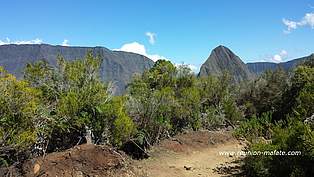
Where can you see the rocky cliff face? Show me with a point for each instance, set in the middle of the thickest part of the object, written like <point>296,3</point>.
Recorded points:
<point>117,66</point>
<point>223,59</point>
<point>260,67</point>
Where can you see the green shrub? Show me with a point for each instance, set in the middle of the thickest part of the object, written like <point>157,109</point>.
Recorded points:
<point>123,129</point>
<point>72,93</point>
<point>118,127</point>
<point>255,127</point>
<point>166,100</point>
<point>264,94</point>
<point>298,98</point>
<point>294,136</point>
<point>213,118</point>
<point>232,113</point>
<point>190,106</point>
<point>259,166</point>
<point>19,117</point>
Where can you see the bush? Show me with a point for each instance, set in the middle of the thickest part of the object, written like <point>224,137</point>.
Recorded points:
<point>213,118</point>
<point>259,166</point>
<point>217,93</point>
<point>123,129</point>
<point>19,118</point>
<point>255,127</point>
<point>295,136</point>
<point>264,94</point>
<point>291,103</point>
<point>232,113</point>
<point>166,100</point>
<point>297,100</point>
<point>190,106</point>
<point>72,93</point>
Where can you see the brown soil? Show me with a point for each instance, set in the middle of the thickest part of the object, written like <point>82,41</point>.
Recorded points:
<point>80,161</point>
<point>188,154</point>
<point>193,154</point>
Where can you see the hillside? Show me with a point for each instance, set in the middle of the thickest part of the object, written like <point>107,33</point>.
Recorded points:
<point>117,66</point>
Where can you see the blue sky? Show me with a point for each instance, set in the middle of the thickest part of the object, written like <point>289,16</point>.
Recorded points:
<point>184,31</point>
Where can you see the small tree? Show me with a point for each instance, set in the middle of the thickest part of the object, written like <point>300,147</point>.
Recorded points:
<point>72,93</point>
<point>19,116</point>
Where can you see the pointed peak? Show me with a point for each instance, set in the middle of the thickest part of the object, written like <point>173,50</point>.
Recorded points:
<point>221,47</point>
<point>223,50</point>
<point>223,59</point>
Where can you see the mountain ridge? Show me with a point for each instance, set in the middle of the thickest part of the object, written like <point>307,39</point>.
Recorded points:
<point>260,67</point>
<point>223,59</point>
<point>117,66</point>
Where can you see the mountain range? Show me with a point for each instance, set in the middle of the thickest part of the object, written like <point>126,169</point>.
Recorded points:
<point>260,67</point>
<point>223,59</point>
<point>119,67</point>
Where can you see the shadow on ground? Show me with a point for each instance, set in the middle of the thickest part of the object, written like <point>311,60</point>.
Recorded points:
<point>231,169</point>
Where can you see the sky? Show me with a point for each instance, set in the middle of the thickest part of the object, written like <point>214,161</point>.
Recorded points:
<point>183,31</point>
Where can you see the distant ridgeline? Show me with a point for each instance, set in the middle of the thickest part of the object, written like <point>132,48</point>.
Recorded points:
<point>119,66</point>
<point>260,67</point>
<point>223,59</point>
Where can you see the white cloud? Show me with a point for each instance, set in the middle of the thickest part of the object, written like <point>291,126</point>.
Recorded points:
<point>277,58</point>
<point>138,48</point>
<point>156,57</point>
<point>134,47</point>
<point>65,42</point>
<point>307,20</point>
<point>283,53</point>
<point>33,41</point>
<point>151,37</point>
<point>280,57</point>
<point>291,25</point>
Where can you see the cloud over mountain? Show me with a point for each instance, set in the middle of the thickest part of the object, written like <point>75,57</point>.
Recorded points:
<point>138,48</point>
<point>280,56</point>
<point>65,42</point>
<point>19,42</point>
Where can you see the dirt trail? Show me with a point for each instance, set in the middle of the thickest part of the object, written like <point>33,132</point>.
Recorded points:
<point>189,154</point>
<point>194,159</point>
